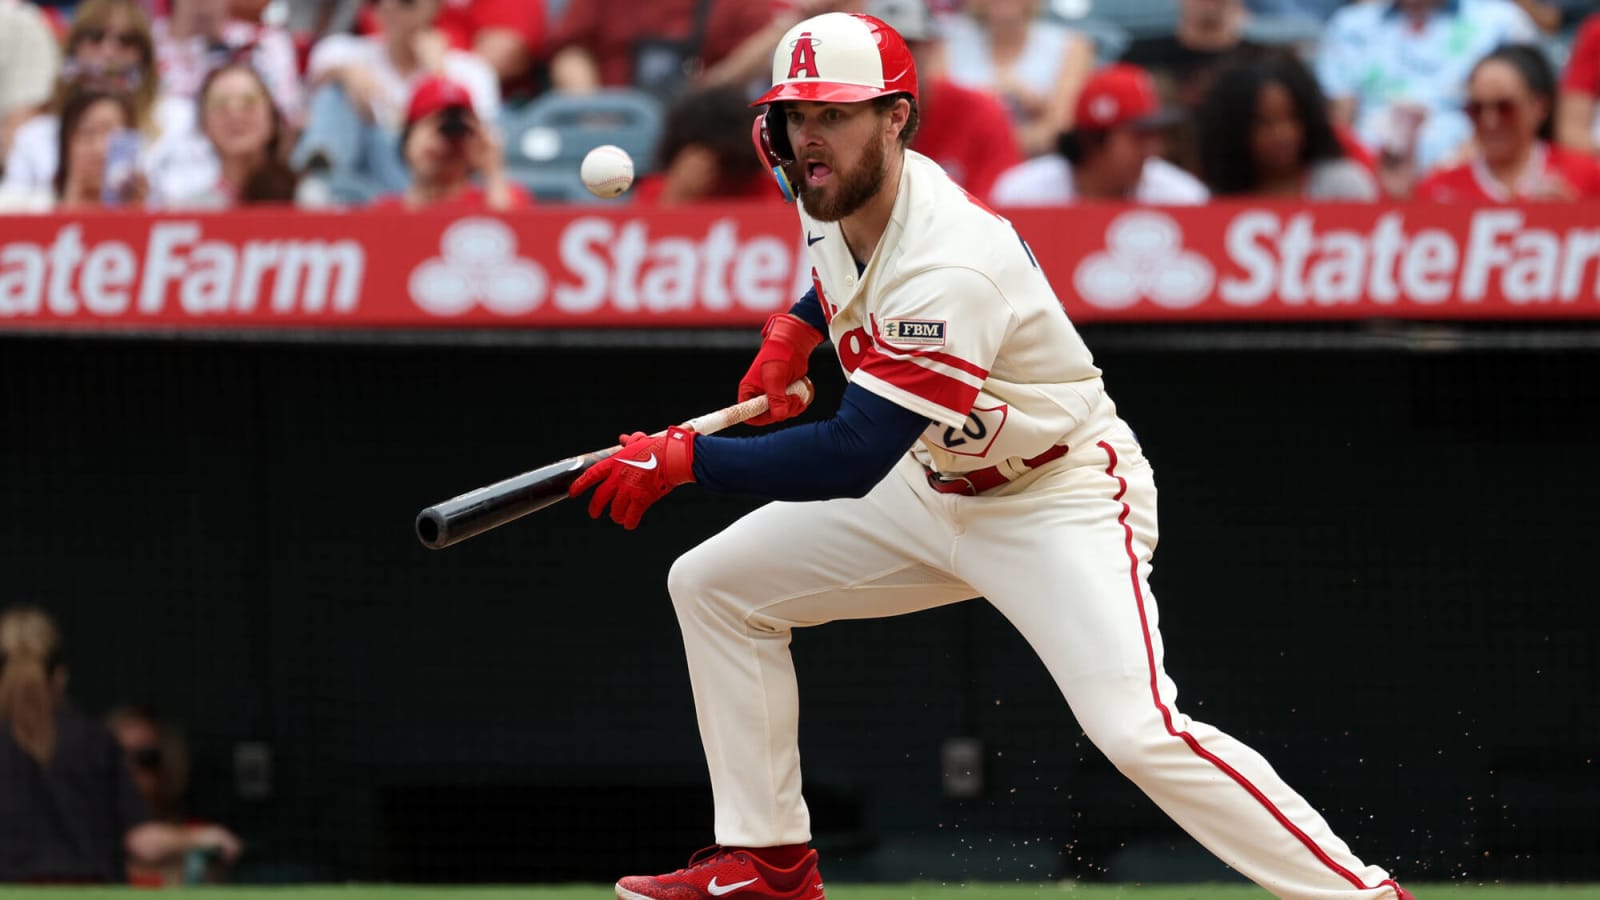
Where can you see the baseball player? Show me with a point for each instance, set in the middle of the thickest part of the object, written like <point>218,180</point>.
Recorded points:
<point>974,453</point>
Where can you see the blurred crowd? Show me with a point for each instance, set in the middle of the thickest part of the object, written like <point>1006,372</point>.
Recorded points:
<point>85,800</point>
<point>411,104</point>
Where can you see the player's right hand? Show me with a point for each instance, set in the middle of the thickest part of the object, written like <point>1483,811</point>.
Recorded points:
<point>784,355</point>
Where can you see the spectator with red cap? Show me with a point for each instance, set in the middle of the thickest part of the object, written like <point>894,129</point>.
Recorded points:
<point>1577,126</point>
<point>361,85</point>
<point>447,146</point>
<point>1510,97</point>
<point>1111,153</point>
<point>966,131</point>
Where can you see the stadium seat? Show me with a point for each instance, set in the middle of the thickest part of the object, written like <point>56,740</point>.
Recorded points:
<point>545,140</point>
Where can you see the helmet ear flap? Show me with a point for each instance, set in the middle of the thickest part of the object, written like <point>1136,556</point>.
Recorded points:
<point>772,145</point>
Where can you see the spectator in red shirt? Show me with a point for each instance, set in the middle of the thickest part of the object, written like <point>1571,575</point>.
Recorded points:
<point>966,131</point>
<point>653,46</point>
<point>507,34</point>
<point>446,145</point>
<point>704,153</point>
<point>1576,125</point>
<point>1510,99</point>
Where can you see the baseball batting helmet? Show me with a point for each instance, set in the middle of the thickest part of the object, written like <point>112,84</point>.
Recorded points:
<point>831,58</point>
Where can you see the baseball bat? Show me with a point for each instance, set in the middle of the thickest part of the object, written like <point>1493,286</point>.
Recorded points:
<point>491,506</point>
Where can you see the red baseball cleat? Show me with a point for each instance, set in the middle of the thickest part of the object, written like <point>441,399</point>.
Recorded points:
<point>717,873</point>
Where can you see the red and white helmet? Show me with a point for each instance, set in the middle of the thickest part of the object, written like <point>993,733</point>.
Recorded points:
<point>831,58</point>
<point>841,58</point>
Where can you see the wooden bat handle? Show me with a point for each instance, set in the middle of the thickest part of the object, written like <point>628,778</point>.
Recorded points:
<point>491,506</point>
<point>713,422</point>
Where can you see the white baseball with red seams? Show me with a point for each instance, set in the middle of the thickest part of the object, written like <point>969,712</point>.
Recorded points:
<point>607,171</point>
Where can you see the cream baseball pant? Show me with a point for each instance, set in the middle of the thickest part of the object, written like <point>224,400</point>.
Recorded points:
<point>1063,553</point>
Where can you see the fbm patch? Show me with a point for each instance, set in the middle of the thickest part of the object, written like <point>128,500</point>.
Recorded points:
<point>921,332</point>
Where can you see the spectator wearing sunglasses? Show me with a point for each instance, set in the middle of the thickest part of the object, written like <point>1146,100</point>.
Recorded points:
<point>248,139</point>
<point>1393,71</point>
<point>158,756</point>
<point>108,48</point>
<point>69,810</point>
<point>1511,102</point>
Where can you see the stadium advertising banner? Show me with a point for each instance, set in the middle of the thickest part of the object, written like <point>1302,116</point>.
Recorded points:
<point>735,265</point>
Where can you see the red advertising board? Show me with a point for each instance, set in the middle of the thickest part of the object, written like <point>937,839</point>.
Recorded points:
<point>734,265</point>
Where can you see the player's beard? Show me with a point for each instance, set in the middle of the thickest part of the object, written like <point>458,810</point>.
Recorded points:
<point>851,189</point>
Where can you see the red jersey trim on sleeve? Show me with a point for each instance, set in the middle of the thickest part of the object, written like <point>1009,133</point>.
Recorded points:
<point>934,387</point>
<point>947,387</point>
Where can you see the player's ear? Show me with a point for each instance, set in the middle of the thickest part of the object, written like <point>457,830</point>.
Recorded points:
<point>899,116</point>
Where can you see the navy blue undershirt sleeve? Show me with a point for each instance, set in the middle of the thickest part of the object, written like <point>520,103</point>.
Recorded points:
<point>841,457</point>
<point>809,310</point>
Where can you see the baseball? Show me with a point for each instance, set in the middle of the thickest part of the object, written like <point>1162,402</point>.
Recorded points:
<point>607,171</point>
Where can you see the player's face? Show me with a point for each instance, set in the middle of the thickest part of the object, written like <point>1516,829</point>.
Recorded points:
<point>839,149</point>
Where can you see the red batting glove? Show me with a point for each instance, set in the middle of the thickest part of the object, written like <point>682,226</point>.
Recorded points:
<point>639,474</point>
<point>785,352</point>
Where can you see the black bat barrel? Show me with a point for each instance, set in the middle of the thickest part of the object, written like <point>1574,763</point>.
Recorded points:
<point>477,511</point>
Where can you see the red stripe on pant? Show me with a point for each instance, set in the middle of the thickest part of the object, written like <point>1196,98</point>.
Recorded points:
<point>1166,714</point>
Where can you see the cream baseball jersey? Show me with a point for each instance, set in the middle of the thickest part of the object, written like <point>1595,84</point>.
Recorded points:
<point>953,319</point>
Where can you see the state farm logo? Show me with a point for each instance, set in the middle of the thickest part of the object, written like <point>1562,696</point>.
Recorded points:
<point>1144,259</point>
<point>478,265</point>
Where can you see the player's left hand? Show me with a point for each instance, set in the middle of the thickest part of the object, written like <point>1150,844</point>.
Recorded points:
<point>786,345</point>
<point>639,474</point>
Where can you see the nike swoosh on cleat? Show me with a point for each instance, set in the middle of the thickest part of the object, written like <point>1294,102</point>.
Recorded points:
<point>647,463</point>
<point>717,890</point>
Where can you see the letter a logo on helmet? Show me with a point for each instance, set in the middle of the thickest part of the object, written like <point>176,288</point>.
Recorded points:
<point>803,62</point>
<point>861,58</point>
